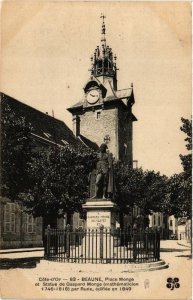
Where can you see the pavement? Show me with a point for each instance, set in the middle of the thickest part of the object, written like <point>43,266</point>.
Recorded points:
<point>21,253</point>
<point>57,280</point>
<point>184,243</point>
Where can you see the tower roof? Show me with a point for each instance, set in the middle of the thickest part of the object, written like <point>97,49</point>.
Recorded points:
<point>102,61</point>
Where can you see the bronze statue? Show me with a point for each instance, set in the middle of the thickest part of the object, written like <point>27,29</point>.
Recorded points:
<point>104,183</point>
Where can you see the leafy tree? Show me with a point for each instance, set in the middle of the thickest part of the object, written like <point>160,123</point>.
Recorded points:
<point>16,152</point>
<point>187,159</point>
<point>179,190</point>
<point>59,181</point>
<point>180,185</point>
<point>146,189</point>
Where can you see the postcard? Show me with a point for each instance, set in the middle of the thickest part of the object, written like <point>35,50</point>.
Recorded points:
<point>96,150</point>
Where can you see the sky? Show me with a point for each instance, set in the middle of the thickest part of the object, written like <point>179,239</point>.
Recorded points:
<point>46,48</point>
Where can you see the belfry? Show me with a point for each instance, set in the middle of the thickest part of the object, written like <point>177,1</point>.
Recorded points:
<point>103,64</point>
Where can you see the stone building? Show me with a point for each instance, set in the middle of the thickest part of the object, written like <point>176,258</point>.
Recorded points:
<point>104,114</point>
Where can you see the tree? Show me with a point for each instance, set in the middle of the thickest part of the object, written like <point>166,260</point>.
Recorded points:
<point>16,153</point>
<point>146,189</point>
<point>186,160</point>
<point>59,181</point>
<point>179,190</point>
<point>180,185</point>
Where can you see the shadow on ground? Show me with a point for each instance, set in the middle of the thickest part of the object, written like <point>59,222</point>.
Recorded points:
<point>189,256</point>
<point>24,263</point>
<point>172,250</point>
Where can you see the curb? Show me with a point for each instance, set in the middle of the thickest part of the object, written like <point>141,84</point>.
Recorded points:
<point>20,250</point>
<point>122,268</point>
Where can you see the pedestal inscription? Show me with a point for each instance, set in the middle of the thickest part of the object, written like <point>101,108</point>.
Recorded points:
<point>96,219</point>
<point>100,213</point>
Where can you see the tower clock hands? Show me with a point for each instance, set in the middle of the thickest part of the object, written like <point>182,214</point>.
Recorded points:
<point>92,96</point>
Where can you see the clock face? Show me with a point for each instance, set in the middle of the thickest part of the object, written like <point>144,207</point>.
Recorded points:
<point>92,96</point>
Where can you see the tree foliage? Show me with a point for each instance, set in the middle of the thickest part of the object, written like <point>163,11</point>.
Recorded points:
<point>179,190</point>
<point>180,185</point>
<point>59,181</point>
<point>16,153</point>
<point>146,189</point>
<point>186,160</point>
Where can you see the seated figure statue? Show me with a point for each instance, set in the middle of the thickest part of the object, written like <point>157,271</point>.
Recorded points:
<point>104,174</point>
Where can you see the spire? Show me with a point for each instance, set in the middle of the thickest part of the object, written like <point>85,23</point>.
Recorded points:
<point>103,38</point>
<point>103,62</point>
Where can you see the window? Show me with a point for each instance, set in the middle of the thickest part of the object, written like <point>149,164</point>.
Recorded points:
<point>98,115</point>
<point>31,222</point>
<point>48,135</point>
<point>9,218</point>
<point>64,142</point>
<point>171,223</point>
<point>158,220</point>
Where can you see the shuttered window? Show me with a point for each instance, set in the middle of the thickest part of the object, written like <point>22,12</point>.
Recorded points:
<point>9,218</point>
<point>31,223</point>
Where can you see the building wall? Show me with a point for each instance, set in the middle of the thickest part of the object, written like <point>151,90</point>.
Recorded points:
<point>114,122</point>
<point>159,220</point>
<point>172,225</point>
<point>19,229</point>
<point>96,124</point>
<point>156,220</point>
<point>125,136</point>
<point>182,232</point>
<point>188,230</point>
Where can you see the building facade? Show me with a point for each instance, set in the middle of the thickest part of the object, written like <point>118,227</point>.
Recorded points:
<point>184,229</point>
<point>167,225</point>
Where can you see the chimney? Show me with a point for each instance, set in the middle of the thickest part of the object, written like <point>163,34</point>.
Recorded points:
<point>76,125</point>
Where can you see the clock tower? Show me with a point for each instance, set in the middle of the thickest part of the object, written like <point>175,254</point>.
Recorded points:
<point>104,114</point>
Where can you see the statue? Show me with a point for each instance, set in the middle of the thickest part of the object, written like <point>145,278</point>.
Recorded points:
<point>104,182</point>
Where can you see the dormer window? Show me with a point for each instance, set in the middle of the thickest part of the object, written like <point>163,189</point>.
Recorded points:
<point>64,142</point>
<point>48,135</point>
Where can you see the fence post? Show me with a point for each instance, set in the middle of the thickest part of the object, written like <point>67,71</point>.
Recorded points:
<point>146,240</point>
<point>158,244</point>
<point>134,242</point>
<point>68,241</point>
<point>48,242</point>
<point>101,242</point>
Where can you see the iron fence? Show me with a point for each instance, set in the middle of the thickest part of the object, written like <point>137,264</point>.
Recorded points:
<point>102,245</point>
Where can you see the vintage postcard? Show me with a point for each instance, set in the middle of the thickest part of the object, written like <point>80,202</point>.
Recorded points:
<point>96,139</point>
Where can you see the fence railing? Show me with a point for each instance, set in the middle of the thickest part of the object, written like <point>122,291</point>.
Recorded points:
<point>102,245</point>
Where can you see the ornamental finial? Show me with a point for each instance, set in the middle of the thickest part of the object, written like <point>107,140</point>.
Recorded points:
<point>103,39</point>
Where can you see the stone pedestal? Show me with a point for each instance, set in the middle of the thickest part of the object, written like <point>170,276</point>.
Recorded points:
<point>101,212</point>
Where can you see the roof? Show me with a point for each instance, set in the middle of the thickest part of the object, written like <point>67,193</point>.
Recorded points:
<point>126,93</point>
<point>111,94</point>
<point>44,127</point>
<point>88,143</point>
